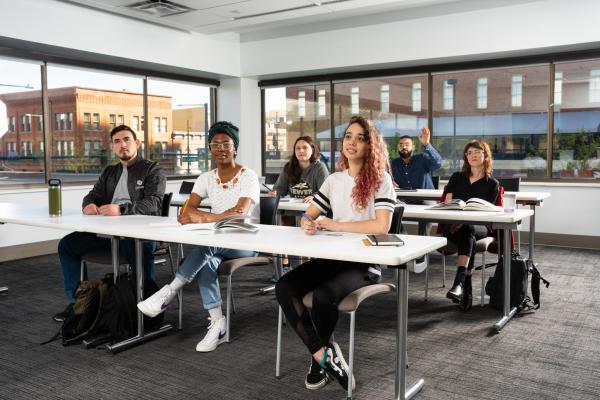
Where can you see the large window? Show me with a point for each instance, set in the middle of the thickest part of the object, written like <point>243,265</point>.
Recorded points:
<point>517,137</point>
<point>576,144</point>
<point>286,119</point>
<point>401,117</point>
<point>180,114</point>
<point>85,103</point>
<point>21,129</point>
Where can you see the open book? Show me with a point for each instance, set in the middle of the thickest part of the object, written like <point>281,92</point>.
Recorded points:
<point>235,221</point>
<point>473,204</point>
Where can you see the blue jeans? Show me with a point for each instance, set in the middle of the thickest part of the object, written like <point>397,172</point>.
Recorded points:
<point>205,260</point>
<point>74,245</point>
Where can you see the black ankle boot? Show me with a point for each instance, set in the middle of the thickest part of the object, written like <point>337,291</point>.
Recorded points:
<point>467,297</point>
<point>456,292</point>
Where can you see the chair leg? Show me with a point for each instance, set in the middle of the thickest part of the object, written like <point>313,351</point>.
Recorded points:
<point>180,296</point>
<point>279,328</point>
<point>483,279</point>
<point>443,271</point>
<point>229,300</point>
<point>426,282</point>
<point>351,354</point>
<point>519,240</point>
<point>170,254</point>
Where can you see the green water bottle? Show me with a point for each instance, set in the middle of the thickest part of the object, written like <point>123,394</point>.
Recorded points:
<point>54,198</point>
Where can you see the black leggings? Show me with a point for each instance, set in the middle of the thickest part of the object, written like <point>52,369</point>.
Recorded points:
<point>465,238</point>
<point>330,282</point>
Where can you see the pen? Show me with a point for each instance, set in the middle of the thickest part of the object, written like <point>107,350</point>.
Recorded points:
<point>184,207</point>
<point>308,218</point>
<point>268,188</point>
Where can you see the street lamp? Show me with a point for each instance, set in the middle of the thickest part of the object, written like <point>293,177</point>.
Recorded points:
<point>452,82</point>
<point>187,135</point>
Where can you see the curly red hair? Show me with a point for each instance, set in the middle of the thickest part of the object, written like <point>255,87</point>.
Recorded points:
<point>376,163</point>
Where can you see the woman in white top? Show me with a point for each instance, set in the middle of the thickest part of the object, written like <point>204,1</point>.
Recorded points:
<point>361,198</point>
<point>232,189</point>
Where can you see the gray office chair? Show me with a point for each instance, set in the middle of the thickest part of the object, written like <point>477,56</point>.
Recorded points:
<point>348,305</point>
<point>268,214</point>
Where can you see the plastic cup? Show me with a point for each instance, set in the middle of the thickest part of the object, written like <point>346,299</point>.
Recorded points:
<point>509,201</point>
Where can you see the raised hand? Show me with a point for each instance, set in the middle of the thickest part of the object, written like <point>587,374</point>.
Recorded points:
<point>425,136</point>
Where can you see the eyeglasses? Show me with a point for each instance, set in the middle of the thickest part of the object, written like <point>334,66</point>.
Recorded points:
<point>476,153</point>
<point>221,146</point>
<point>405,145</point>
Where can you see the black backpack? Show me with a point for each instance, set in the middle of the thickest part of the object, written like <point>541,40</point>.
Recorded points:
<point>84,318</point>
<point>106,312</point>
<point>520,267</point>
<point>119,308</point>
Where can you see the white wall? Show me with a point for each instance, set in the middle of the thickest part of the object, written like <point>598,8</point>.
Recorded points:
<point>572,208</point>
<point>61,24</point>
<point>532,25</point>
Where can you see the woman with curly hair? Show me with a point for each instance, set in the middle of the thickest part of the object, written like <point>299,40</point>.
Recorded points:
<point>361,198</point>
<point>475,180</point>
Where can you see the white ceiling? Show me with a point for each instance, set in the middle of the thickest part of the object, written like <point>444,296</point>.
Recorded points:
<point>243,16</point>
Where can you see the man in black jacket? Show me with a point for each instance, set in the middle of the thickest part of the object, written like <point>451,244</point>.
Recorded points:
<point>133,186</point>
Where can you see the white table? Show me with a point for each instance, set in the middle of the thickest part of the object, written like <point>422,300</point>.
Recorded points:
<point>113,227</point>
<point>504,221</point>
<point>532,199</point>
<point>269,239</point>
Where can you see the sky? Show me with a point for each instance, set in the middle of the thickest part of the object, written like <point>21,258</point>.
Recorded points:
<point>28,74</point>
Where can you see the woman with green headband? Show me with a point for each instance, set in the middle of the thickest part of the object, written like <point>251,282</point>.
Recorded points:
<point>231,189</point>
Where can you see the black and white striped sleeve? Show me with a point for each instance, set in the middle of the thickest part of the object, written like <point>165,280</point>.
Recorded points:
<point>385,198</point>
<point>321,197</point>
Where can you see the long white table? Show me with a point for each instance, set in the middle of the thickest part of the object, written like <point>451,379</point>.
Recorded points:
<point>421,214</point>
<point>113,227</point>
<point>268,239</point>
<point>531,199</point>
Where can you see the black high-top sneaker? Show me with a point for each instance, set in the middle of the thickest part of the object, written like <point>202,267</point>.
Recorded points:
<point>336,366</point>
<point>316,377</point>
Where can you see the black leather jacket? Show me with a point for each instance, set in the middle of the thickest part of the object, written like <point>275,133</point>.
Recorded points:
<point>146,183</point>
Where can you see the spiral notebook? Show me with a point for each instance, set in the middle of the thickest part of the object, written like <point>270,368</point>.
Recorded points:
<point>385,240</point>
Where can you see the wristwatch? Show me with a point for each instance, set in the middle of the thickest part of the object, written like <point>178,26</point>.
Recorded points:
<point>122,209</point>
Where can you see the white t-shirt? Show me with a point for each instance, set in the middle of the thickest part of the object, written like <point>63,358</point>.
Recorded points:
<point>336,194</point>
<point>223,196</point>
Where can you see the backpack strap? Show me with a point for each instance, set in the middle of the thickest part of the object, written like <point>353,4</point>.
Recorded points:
<point>53,338</point>
<point>535,283</point>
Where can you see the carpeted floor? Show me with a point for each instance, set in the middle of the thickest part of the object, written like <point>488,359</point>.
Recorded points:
<point>553,353</point>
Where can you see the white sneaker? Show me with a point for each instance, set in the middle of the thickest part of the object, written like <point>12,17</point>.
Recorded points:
<point>214,337</point>
<point>156,303</point>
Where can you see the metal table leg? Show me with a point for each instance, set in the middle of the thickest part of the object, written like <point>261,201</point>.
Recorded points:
<point>531,232</point>
<point>401,391</point>
<point>507,312</point>
<point>140,337</point>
